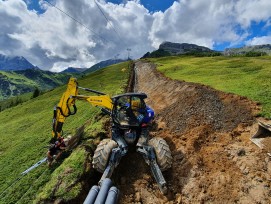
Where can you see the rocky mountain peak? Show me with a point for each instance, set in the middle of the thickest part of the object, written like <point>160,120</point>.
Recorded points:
<point>10,63</point>
<point>182,48</point>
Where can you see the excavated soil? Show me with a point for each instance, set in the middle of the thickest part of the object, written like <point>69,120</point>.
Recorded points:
<point>208,132</point>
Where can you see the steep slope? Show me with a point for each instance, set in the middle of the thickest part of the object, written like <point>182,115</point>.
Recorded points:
<point>244,76</point>
<point>13,83</point>
<point>25,135</point>
<point>208,132</point>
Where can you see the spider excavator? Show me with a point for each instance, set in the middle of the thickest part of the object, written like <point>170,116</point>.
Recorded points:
<point>130,118</point>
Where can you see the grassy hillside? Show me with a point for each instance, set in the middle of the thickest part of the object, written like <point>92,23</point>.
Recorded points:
<point>245,76</point>
<point>13,83</point>
<point>26,131</point>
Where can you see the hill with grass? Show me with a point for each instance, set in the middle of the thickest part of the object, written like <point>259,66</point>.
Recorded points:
<point>14,83</point>
<point>27,129</point>
<point>26,133</point>
<point>244,76</point>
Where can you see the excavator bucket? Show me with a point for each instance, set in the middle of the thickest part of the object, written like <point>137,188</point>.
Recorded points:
<point>262,138</point>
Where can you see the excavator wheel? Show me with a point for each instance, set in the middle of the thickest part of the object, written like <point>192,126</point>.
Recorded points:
<point>102,154</point>
<point>162,151</point>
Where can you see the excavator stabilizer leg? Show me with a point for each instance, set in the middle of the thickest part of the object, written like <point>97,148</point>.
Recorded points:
<point>150,158</point>
<point>262,138</point>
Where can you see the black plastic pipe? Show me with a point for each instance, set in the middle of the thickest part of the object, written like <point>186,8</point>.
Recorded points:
<point>92,194</point>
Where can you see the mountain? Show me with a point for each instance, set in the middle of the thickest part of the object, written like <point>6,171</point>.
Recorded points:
<point>103,64</point>
<point>169,49</point>
<point>74,70</point>
<point>13,83</point>
<point>246,50</point>
<point>182,48</point>
<point>14,63</point>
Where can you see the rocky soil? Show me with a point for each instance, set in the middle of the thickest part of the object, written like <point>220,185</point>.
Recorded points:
<point>209,133</point>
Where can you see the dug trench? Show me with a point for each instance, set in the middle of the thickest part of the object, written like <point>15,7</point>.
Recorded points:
<point>208,132</point>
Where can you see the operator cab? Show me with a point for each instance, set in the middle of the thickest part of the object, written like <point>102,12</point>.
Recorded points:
<point>129,110</point>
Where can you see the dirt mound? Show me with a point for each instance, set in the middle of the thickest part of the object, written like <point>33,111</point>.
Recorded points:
<point>208,132</point>
<point>187,105</point>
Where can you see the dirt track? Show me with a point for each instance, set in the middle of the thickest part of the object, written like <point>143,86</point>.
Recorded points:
<point>208,132</point>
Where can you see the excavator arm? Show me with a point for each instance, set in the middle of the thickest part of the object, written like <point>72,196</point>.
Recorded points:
<point>67,107</point>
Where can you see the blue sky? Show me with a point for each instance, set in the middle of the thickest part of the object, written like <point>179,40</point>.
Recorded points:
<point>51,40</point>
<point>151,5</point>
<point>34,5</point>
<point>156,5</point>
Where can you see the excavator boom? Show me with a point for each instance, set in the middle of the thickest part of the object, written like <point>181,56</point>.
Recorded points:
<point>67,102</point>
<point>62,110</point>
<point>101,101</point>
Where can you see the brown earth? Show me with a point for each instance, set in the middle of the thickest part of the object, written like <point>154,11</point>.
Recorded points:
<point>208,132</point>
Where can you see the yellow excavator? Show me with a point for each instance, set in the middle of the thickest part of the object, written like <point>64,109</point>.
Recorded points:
<point>130,118</point>
<point>63,109</point>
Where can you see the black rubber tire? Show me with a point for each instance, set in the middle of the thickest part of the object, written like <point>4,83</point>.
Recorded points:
<point>102,154</point>
<point>162,151</point>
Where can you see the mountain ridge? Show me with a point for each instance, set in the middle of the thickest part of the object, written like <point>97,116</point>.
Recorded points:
<point>74,70</point>
<point>103,64</point>
<point>171,49</point>
<point>263,48</point>
<point>182,48</point>
<point>8,63</point>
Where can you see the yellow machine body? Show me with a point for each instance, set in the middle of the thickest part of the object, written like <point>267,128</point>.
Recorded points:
<point>67,102</point>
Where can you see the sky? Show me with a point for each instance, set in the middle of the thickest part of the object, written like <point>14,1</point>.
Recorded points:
<point>81,33</point>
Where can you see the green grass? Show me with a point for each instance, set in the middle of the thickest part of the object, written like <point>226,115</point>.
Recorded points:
<point>65,177</point>
<point>17,78</point>
<point>13,101</point>
<point>15,83</point>
<point>245,76</point>
<point>26,130</point>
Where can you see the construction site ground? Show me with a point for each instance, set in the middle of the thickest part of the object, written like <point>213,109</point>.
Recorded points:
<point>208,132</point>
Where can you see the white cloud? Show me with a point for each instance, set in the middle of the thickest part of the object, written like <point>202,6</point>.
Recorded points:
<point>199,22</point>
<point>53,40</point>
<point>259,40</point>
<point>61,41</point>
<point>252,10</point>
